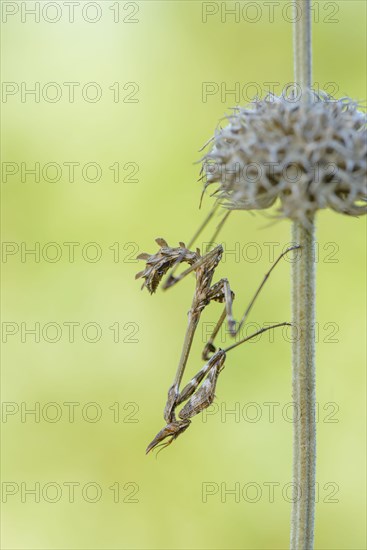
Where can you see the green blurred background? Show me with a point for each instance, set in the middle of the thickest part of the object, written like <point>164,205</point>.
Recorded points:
<point>168,52</point>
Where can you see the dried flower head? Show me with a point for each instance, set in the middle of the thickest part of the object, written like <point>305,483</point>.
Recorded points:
<point>308,154</point>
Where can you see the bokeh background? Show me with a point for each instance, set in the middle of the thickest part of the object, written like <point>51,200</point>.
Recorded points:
<point>158,55</point>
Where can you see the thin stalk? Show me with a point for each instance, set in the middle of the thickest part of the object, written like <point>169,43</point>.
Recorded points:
<point>303,382</point>
<point>303,352</point>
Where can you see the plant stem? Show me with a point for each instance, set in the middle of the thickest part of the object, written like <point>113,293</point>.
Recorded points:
<point>302,47</point>
<point>303,393</point>
<point>303,352</point>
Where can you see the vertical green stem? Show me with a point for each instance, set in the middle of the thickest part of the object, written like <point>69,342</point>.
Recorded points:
<point>302,46</point>
<point>303,382</point>
<point>303,353</point>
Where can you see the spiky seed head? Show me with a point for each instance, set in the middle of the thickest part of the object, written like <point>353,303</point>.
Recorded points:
<point>308,154</point>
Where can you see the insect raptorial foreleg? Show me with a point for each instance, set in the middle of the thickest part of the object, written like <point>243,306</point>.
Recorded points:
<point>191,386</point>
<point>199,397</point>
<point>197,400</point>
<point>204,396</point>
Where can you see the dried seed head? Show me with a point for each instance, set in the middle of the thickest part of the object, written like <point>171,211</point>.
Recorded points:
<point>158,264</point>
<point>308,154</point>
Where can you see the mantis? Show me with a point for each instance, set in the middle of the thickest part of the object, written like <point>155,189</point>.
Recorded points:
<point>199,393</point>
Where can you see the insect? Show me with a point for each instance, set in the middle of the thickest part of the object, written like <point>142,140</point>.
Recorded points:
<point>200,391</point>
